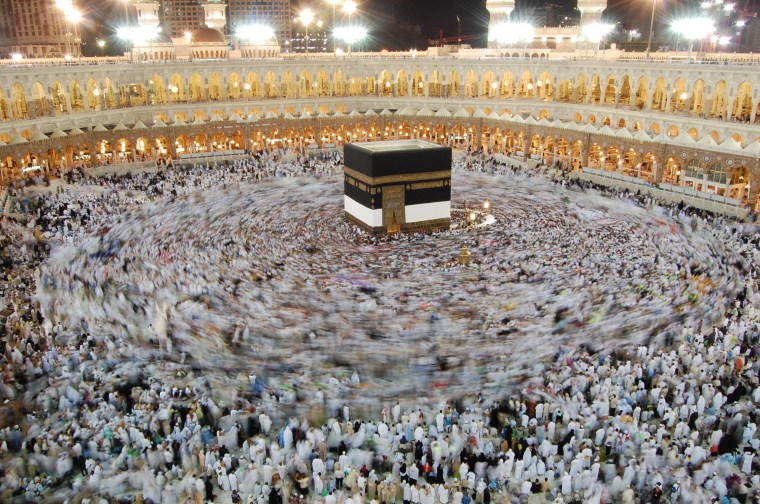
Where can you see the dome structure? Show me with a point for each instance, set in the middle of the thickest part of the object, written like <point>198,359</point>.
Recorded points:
<point>207,36</point>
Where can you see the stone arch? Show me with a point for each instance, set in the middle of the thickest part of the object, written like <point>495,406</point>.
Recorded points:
<point>654,128</point>
<point>611,160</point>
<point>19,103</point>
<point>545,86</point>
<point>182,145</point>
<point>621,123</point>
<point>143,148</point>
<point>435,86</point>
<point>215,87</point>
<point>323,84</point>
<point>719,101</point>
<point>110,96</point>
<point>659,95</point>
<point>94,97</point>
<point>373,131</point>
<point>697,104</point>
<point>196,88</point>
<point>595,156</point>
<point>485,138</point>
<point>535,147</point>
<point>678,96</point>
<point>201,143</point>
<point>647,167</point>
<point>404,131</point>
<point>177,89</point>
<point>104,151</point>
<point>418,83</point>
<point>453,84</point>
<point>739,183</point>
<point>673,131</point>
<point>40,101</point>
<point>252,85</point>
<point>507,85</point>
<point>526,87</point>
<point>565,91</point>
<point>595,93</point>
<point>77,97</point>
<point>671,172</point>
<point>355,87</point>
<point>576,155</point>
<point>625,92</point>
<point>548,149</point>
<point>471,84</point>
<point>220,141</point>
<point>402,84</point>
<point>386,83</point>
<point>123,149</point>
<point>372,88</point>
<point>271,85</point>
<point>641,95</point>
<point>157,91</point>
<point>610,91</point>
<point>59,97</point>
<point>562,152</point>
<point>490,85</point>
<point>306,85</point>
<point>629,164</point>
<point>742,107</point>
<point>580,89</point>
<point>234,86</point>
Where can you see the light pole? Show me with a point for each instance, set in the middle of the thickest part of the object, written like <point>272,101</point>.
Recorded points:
<point>74,16</point>
<point>693,29</point>
<point>66,6</point>
<point>126,23</point>
<point>651,29</point>
<point>306,17</point>
<point>332,26</point>
<point>349,8</point>
<point>350,35</point>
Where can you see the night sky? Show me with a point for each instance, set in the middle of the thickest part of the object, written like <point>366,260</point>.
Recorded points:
<point>387,19</point>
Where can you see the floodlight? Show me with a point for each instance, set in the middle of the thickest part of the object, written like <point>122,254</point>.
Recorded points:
<point>256,34</point>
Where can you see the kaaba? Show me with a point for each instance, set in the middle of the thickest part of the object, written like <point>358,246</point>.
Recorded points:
<point>398,186</point>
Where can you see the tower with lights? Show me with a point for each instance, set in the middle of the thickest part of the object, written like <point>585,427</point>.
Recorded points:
<point>500,10</point>
<point>591,11</point>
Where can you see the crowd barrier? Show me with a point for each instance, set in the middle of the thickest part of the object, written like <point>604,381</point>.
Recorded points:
<point>667,192</point>
<point>211,156</point>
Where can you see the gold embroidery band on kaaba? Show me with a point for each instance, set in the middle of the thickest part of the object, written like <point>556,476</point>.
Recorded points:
<point>396,179</point>
<point>427,185</point>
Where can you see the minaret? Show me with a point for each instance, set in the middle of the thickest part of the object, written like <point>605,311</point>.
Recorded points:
<point>216,14</point>
<point>500,11</point>
<point>147,14</point>
<point>591,11</point>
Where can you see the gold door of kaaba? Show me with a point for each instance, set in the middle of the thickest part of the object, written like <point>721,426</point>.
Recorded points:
<point>393,203</point>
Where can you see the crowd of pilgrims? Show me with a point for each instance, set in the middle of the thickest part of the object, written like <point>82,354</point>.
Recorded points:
<point>670,419</point>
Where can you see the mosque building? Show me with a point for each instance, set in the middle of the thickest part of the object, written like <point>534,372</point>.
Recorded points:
<point>664,122</point>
